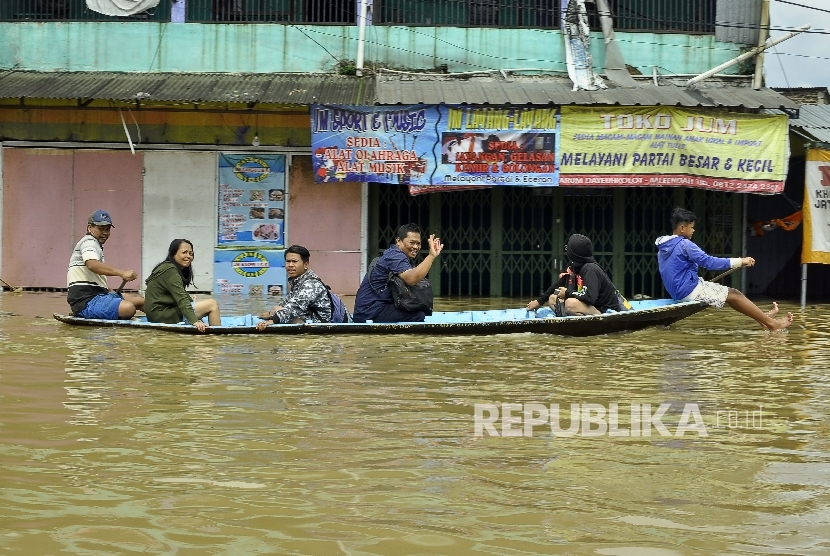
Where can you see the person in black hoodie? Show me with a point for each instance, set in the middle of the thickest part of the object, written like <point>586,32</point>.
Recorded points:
<point>584,288</point>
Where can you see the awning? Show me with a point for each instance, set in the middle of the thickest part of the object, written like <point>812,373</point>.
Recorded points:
<point>813,121</point>
<point>543,90</point>
<point>384,89</point>
<point>301,89</point>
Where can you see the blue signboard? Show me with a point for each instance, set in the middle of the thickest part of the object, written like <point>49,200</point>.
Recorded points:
<point>255,272</point>
<point>252,200</point>
<point>436,148</point>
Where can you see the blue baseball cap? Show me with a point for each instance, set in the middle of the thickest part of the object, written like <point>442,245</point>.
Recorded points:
<point>100,218</point>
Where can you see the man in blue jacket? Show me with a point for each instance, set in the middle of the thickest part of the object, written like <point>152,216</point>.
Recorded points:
<point>679,260</point>
<point>374,298</point>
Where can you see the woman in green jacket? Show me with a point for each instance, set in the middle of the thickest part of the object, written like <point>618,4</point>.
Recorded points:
<point>166,299</point>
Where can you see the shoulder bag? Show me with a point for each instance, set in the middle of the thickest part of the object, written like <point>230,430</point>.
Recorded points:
<point>411,298</point>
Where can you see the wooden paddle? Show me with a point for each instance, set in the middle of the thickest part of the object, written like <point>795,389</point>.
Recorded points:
<point>12,288</point>
<point>725,274</point>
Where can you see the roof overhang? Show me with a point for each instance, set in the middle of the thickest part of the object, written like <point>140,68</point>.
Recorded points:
<point>554,90</point>
<point>383,89</point>
<point>812,123</point>
<point>293,88</point>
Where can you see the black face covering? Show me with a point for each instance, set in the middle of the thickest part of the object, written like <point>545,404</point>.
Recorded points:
<point>580,251</point>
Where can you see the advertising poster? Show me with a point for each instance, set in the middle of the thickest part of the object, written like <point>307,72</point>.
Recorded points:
<point>666,147</point>
<point>251,200</point>
<point>436,148</point>
<point>258,273</point>
<point>577,34</point>
<point>816,208</point>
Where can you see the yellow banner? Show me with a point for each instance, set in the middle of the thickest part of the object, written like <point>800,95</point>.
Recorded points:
<point>816,208</point>
<point>661,146</point>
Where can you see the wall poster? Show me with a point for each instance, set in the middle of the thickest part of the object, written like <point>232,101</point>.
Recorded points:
<point>251,200</point>
<point>816,207</point>
<point>254,272</point>
<point>249,257</point>
<point>436,148</point>
<point>663,146</point>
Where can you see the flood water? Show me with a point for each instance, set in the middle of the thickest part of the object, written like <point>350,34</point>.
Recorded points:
<point>115,441</point>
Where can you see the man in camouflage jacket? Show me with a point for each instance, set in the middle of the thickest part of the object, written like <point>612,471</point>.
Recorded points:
<point>307,298</point>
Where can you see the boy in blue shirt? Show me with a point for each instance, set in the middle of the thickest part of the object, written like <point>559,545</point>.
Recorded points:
<point>679,260</point>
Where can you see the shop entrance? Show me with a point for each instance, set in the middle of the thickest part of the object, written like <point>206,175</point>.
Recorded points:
<point>509,241</point>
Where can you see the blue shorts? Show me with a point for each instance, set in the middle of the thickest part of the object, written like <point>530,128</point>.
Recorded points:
<point>104,306</point>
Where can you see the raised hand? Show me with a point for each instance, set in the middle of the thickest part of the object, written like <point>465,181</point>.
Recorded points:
<point>435,245</point>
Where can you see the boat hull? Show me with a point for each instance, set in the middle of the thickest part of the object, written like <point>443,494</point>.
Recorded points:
<point>509,321</point>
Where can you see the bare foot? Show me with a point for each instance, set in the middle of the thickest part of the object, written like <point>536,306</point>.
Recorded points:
<point>781,324</point>
<point>774,311</point>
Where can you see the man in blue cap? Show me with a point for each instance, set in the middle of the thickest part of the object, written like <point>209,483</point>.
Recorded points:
<point>89,296</point>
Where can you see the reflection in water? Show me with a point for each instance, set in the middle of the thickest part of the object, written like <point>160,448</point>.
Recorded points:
<point>116,441</point>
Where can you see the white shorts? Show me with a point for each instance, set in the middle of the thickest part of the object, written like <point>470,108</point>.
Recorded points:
<point>710,293</point>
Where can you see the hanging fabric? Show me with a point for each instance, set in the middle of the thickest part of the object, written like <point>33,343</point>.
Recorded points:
<point>577,35</point>
<point>120,7</point>
<point>788,223</point>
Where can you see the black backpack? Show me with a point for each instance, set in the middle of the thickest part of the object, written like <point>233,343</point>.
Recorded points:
<point>418,297</point>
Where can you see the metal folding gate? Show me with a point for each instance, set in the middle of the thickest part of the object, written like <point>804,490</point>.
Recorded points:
<point>510,241</point>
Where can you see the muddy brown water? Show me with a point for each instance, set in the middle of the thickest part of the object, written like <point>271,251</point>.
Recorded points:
<point>115,441</point>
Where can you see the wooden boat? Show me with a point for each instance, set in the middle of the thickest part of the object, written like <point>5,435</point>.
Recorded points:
<point>656,312</point>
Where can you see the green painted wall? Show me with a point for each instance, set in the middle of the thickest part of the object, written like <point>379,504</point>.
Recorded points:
<point>195,47</point>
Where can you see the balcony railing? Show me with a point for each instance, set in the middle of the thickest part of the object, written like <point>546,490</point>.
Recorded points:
<point>684,16</point>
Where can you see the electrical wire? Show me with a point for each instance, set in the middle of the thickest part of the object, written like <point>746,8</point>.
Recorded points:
<point>138,129</point>
<point>618,38</point>
<point>802,6</point>
<point>315,42</point>
<point>379,45</point>
<point>376,44</point>
<point>158,47</point>
<point>413,30</point>
<point>402,49</point>
<point>795,205</point>
<point>778,57</point>
<point>509,58</point>
<point>804,56</point>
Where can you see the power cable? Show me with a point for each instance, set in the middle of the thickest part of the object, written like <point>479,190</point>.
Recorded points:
<point>802,6</point>
<point>618,38</point>
<point>506,58</point>
<point>315,42</point>
<point>778,57</point>
<point>158,47</point>
<point>461,62</point>
<point>376,43</point>
<point>805,56</point>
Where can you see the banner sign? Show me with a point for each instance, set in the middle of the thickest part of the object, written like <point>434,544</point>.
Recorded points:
<point>251,199</point>
<point>436,148</point>
<point>667,147</point>
<point>577,34</point>
<point>259,273</point>
<point>816,208</point>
